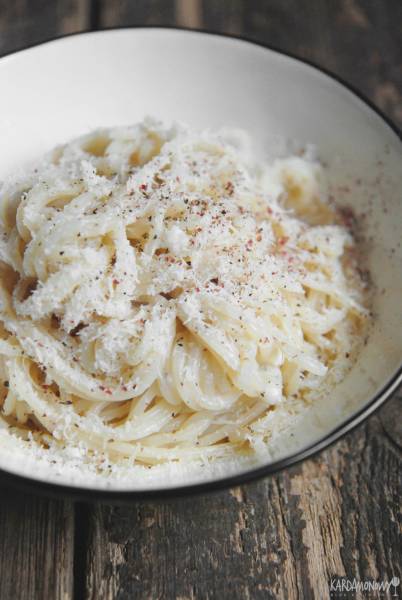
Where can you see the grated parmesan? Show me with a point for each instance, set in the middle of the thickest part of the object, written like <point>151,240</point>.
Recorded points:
<point>168,299</point>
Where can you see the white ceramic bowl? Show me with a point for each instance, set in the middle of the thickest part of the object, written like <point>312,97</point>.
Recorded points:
<point>64,88</point>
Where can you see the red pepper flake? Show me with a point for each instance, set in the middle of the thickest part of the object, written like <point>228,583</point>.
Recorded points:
<point>249,242</point>
<point>348,216</point>
<point>283,240</point>
<point>143,186</point>
<point>116,281</point>
<point>229,188</point>
<point>106,390</point>
<point>269,210</point>
<point>197,289</point>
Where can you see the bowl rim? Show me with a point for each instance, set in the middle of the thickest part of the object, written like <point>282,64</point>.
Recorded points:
<point>57,490</point>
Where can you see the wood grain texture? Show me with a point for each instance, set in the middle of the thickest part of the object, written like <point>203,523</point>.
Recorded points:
<point>139,12</point>
<point>390,417</point>
<point>285,537</point>
<point>26,22</point>
<point>36,548</point>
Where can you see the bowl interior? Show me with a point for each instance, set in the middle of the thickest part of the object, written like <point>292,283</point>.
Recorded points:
<point>65,88</point>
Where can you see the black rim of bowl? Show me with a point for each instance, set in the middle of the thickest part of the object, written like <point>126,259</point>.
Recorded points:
<point>25,483</point>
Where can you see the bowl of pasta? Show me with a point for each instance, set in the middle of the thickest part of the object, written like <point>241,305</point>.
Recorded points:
<point>200,262</point>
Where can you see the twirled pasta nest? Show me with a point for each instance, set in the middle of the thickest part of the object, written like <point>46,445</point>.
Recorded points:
<point>163,296</point>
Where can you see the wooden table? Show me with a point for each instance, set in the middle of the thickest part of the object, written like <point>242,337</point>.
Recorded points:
<point>284,537</point>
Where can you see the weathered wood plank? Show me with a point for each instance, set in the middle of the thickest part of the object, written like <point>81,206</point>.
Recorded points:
<point>226,16</point>
<point>284,537</point>
<point>391,419</point>
<point>140,12</point>
<point>26,22</point>
<point>36,547</point>
<point>188,13</point>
